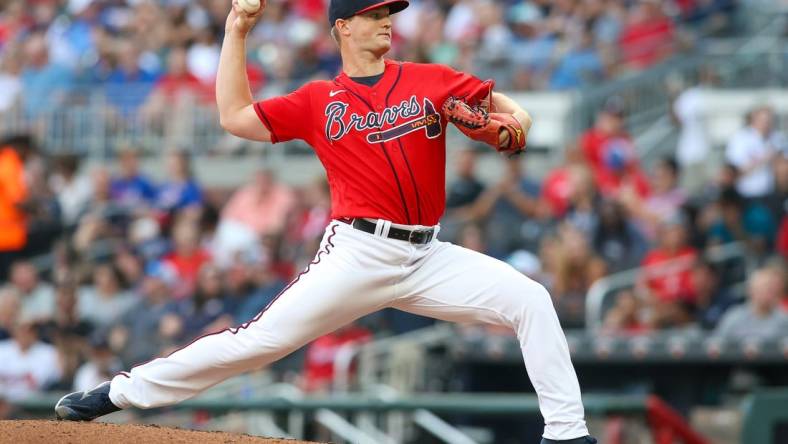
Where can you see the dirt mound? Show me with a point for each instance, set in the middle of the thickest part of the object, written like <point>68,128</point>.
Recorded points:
<point>65,432</point>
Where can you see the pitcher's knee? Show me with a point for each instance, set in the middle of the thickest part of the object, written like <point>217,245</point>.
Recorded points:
<point>533,300</point>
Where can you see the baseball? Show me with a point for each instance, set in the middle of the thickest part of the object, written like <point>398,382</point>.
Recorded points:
<point>249,6</point>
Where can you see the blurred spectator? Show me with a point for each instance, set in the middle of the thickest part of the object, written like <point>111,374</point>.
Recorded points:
<point>665,200</point>
<point>466,187</point>
<point>265,286</point>
<point>255,210</point>
<point>616,239</point>
<point>38,298</point>
<point>505,206</point>
<point>752,150</point>
<point>105,301</point>
<point>9,311</point>
<point>45,82</point>
<point>186,257</point>
<point>180,190</point>
<point>10,80</point>
<point>207,311</point>
<point>761,317</point>
<point>101,365</point>
<point>625,317</point>
<point>782,238</point>
<point>574,268</point>
<point>67,325</point>
<point>777,200</point>
<point>67,332</point>
<point>461,194</point>
<point>743,220</point>
<point>321,354</point>
<point>711,299</point>
<point>648,36</point>
<point>74,188</point>
<point>129,83</point>
<point>584,201</point>
<point>177,88</point>
<point>29,365</point>
<point>667,276</point>
<point>693,145</point>
<point>310,216</point>
<point>13,193</point>
<point>142,332</point>
<point>102,218</point>
<point>131,189</point>
<point>564,182</point>
<point>580,65</point>
<point>611,154</point>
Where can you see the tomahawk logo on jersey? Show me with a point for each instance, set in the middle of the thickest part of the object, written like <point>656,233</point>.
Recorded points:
<point>337,125</point>
<point>365,136</point>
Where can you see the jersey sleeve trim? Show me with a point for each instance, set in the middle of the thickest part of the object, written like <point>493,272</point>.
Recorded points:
<point>261,115</point>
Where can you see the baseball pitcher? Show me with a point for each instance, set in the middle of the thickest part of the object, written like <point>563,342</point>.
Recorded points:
<point>379,129</point>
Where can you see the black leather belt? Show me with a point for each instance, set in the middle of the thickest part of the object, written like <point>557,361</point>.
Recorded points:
<point>418,237</point>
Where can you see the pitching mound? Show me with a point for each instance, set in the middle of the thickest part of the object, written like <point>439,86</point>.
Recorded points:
<point>64,432</point>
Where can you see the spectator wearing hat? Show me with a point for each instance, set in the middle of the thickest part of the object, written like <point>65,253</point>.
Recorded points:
<point>761,317</point>
<point>610,152</point>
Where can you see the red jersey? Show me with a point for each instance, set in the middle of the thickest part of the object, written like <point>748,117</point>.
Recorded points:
<point>383,146</point>
<point>677,283</point>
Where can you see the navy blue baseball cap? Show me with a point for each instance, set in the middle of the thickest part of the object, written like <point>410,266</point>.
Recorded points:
<point>344,9</point>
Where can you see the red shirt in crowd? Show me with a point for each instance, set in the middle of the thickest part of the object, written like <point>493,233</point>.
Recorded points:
<point>646,43</point>
<point>677,283</point>
<point>186,268</point>
<point>557,190</point>
<point>383,146</point>
<point>782,238</point>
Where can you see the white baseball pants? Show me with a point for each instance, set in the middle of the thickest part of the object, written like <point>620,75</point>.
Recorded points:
<point>356,273</point>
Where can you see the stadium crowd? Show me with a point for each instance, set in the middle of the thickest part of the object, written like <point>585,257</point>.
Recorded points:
<point>139,267</point>
<point>147,53</point>
<point>108,267</point>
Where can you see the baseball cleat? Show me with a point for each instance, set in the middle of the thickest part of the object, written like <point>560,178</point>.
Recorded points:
<point>582,440</point>
<point>87,405</point>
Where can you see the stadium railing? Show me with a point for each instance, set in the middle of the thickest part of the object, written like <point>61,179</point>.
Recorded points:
<point>423,410</point>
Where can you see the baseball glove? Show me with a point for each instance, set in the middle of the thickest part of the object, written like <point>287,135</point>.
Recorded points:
<point>480,125</point>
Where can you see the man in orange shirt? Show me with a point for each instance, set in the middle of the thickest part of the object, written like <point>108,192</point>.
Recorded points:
<point>13,192</point>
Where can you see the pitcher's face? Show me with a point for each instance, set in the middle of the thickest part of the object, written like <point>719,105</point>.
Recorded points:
<point>371,31</point>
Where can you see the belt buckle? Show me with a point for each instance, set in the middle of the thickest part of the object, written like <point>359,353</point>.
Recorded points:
<point>427,233</point>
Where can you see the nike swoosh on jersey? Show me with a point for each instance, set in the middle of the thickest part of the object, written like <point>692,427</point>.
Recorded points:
<point>333,93</point>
